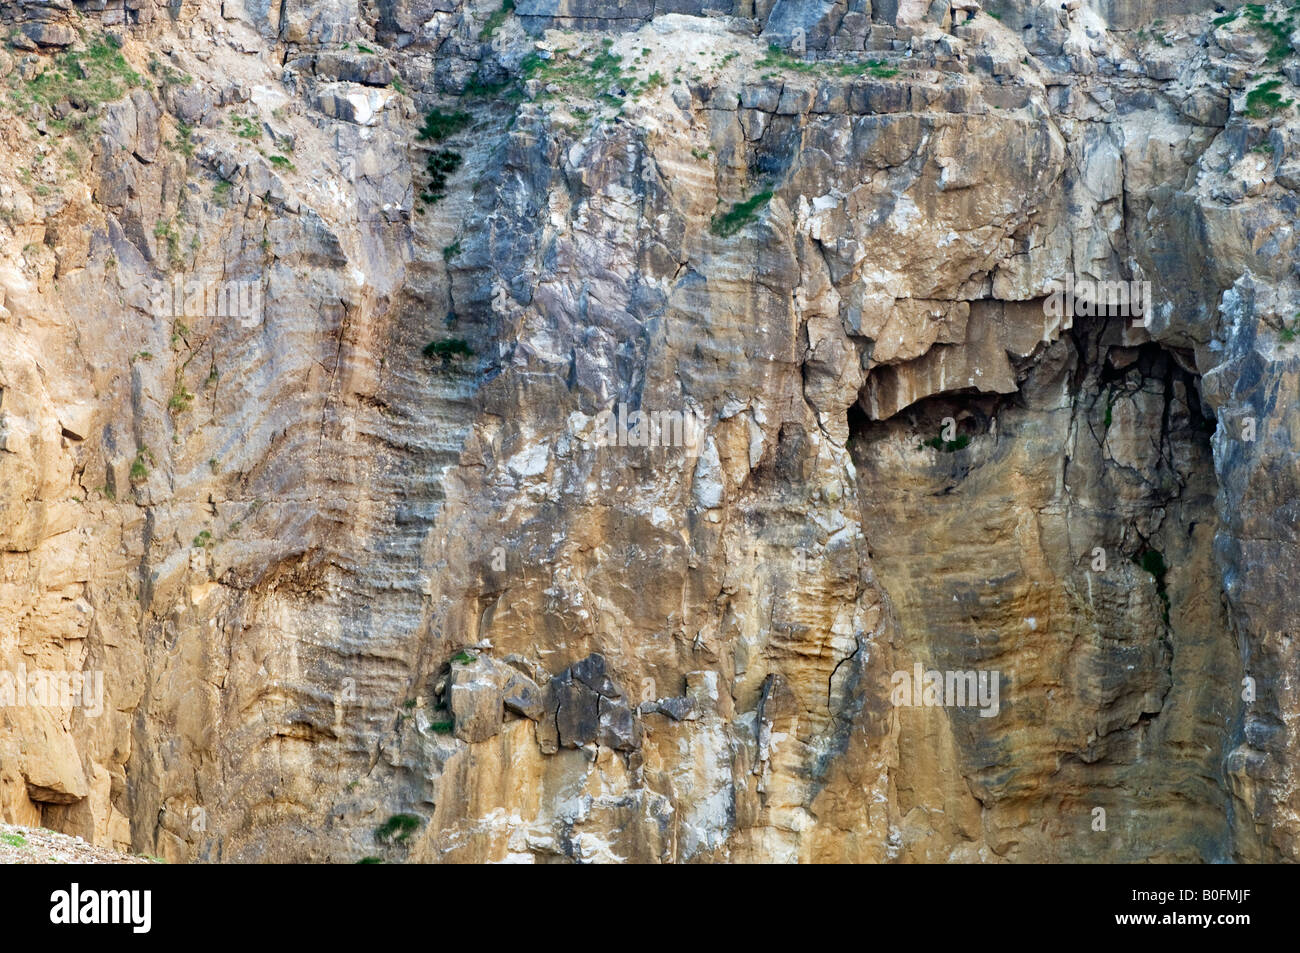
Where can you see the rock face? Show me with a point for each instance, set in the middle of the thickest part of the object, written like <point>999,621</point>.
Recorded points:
<point>576,431</point>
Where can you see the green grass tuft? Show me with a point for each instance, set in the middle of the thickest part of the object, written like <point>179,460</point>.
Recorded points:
<point>1264,100</point>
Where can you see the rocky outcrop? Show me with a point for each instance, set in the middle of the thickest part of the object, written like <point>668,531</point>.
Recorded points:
<point>548,432</point>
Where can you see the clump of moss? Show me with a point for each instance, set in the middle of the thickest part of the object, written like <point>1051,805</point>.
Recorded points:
<point>740,215</point>
<point>463,657</point>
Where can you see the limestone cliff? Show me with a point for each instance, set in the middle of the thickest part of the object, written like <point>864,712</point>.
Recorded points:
<point>330,330</point>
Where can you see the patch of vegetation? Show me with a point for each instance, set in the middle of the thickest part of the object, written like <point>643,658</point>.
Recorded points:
<point>573,75</point>
<point>83,78</point>
<point>184,141</point>
<point>1277,32</point>
<point>203,540</point>
<point>169,234</point>
<point>397,828</point>
<point>948,446</point>
<point>1287,333</point>
<point>438,125</point>
<point>398,85</point>
<point>14,840</point>
<point>450,349</point>
<point>369,860</point>
<point>140,465</point>
<point>478,86</point>
<point>221,193</point>
<point>442,727</point>
<point>779,58</point>
<point>1152,561</point>
<point>440,165</point>
<point>463,657</point>
<point>362,48</point>
<point>740,215</point>
<point>181,398</point>
<point>166,74</point>
<point>281,162</point>
<point>495,20</point>
<point>1264,100</point>
<point>247,128</point>
<point>451,251</point>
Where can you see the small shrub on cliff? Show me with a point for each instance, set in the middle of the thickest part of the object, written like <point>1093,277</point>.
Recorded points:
<point>438,125</point>
<point>397,828</point>
<point>450,349</point>
<point>740,215</point>
<point>1289,332</point>
<point>1153,561</point>
<point>14,840</point>
<point>440,165</point>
